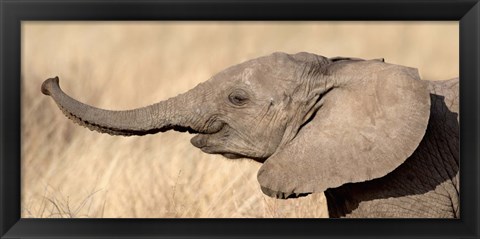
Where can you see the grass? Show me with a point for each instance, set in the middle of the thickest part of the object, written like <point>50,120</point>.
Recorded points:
<point>71,172</point>
<point>54,204</point>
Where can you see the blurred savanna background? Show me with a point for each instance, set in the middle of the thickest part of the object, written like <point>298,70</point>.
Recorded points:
<point>71,172</point>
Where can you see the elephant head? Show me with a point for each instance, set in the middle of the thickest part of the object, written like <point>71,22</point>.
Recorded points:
<point>314,122</point>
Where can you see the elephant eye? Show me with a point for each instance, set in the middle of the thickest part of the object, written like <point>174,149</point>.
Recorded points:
<point>238,97</point>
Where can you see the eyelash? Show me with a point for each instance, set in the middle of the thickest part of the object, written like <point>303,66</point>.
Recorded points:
<point>237,98</point>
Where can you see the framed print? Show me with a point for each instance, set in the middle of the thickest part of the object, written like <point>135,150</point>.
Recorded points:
<point>239,119</point>
<point>179,174</point>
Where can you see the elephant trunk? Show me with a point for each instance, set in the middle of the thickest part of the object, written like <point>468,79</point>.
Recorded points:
<point>172,114</point>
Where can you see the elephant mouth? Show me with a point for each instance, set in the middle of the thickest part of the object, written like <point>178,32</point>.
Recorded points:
<point>214,149</point>
<point>216,143</point>
<point>201,139</point>
<point>211,127</point>
<point>209,143</point>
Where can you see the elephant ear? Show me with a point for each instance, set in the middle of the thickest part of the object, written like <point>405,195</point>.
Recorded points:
<point>370,123</point>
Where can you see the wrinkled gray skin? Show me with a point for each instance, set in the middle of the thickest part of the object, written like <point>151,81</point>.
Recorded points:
<point>375,138</point>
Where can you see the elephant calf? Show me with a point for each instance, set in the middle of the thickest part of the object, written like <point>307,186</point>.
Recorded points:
<point>378,140</point>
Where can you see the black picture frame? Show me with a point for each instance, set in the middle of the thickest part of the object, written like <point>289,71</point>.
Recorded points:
<point>467,12</point>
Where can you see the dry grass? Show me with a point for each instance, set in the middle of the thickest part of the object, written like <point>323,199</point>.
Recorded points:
<point>69,171</point>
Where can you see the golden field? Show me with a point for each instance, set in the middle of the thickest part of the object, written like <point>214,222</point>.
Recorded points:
<point>70,171</point>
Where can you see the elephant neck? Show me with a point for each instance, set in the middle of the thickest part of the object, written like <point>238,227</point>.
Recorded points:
<point>307,98</point>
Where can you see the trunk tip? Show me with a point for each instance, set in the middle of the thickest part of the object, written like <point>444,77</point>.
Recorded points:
<point>47,85</point>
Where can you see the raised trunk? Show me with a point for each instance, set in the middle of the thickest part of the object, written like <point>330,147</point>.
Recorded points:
<point>174,113</point>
